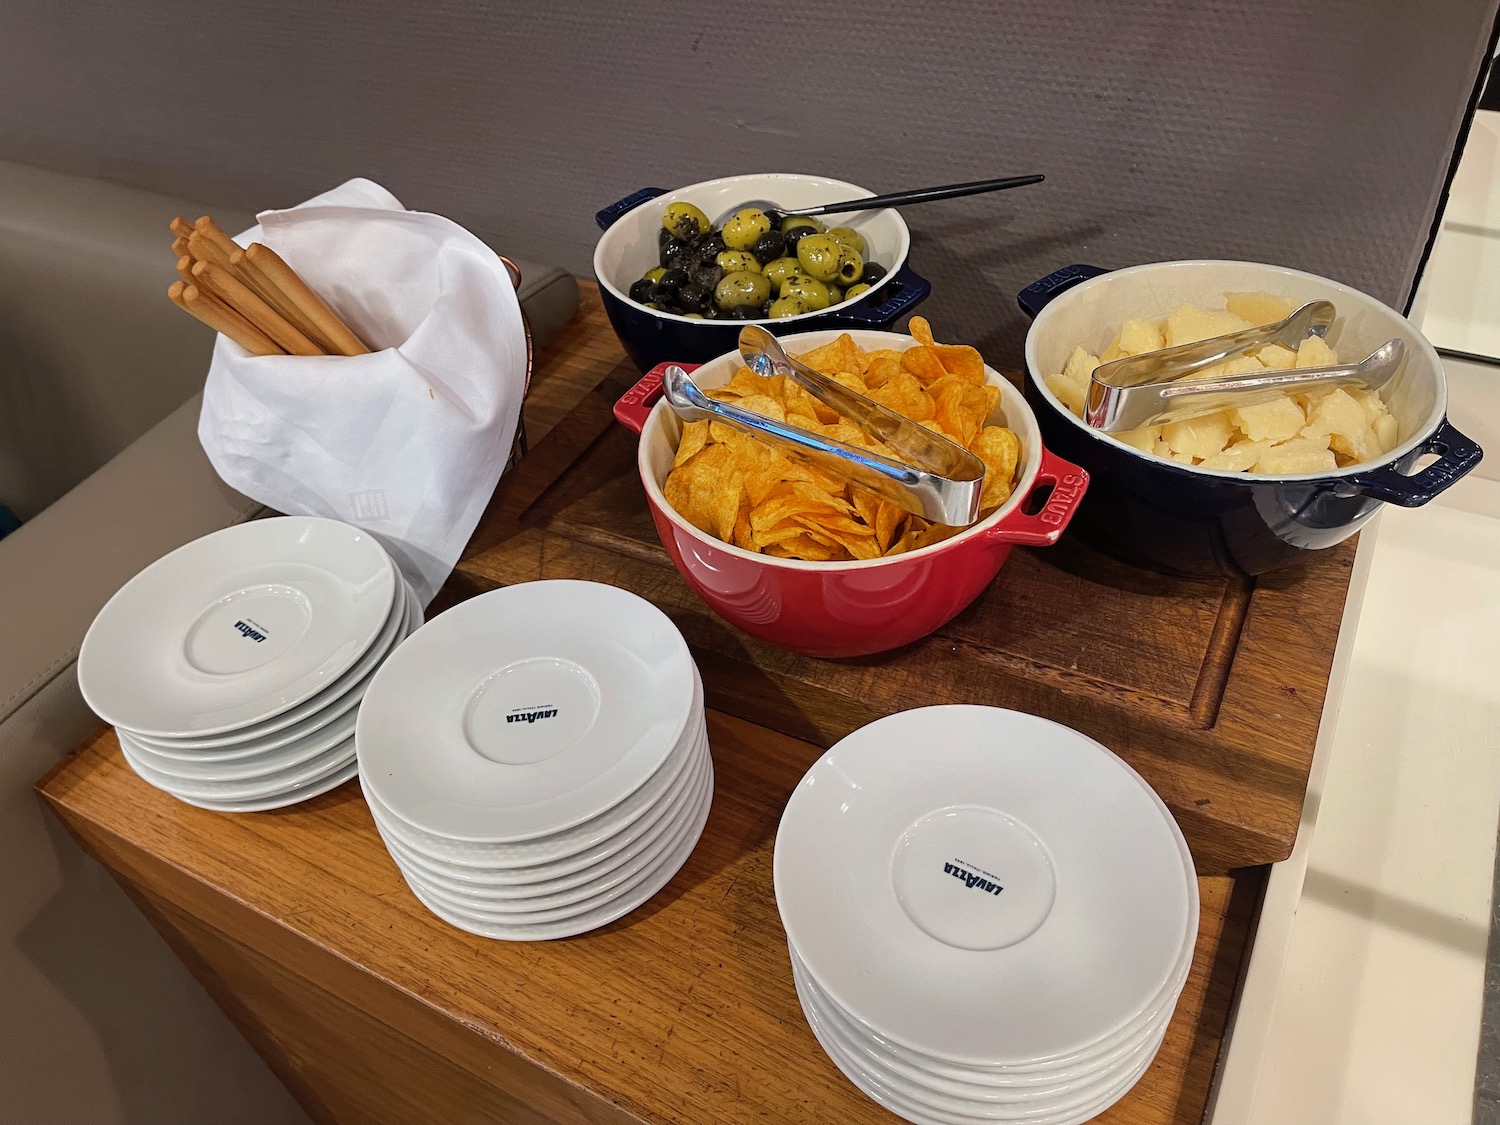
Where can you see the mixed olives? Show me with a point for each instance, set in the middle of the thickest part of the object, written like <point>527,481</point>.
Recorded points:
<point>759,265</point>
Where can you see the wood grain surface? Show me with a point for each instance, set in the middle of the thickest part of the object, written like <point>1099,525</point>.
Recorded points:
<point>1212,689</point>
<point>374,1011</point>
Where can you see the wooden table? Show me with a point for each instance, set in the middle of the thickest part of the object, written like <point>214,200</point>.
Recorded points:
<point>372,1010</point>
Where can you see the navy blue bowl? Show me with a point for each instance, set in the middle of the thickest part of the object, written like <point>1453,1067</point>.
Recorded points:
<point>652,337</point>
<point>1189,521</point>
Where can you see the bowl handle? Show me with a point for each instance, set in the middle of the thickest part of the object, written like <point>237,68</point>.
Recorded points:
<point>904,292</point>
<point>1034,298</point>
<point>635,404</point>
<point>1457,454</point>
<point>606,218</point>
<point>1043,528</point>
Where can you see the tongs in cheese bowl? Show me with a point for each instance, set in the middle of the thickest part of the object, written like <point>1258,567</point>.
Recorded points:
<point>1155,388</point>
<point>939,480</point>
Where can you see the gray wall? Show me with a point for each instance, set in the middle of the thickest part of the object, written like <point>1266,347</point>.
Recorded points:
<point>1314,133</point>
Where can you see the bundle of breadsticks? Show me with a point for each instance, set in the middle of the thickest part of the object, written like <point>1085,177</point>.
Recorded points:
<point>252,296</point>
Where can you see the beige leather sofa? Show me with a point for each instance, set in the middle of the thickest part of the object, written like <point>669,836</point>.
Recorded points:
<point>99,456</point>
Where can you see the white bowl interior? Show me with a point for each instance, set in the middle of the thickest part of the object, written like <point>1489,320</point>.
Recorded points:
<point>663,431</point>
<point>1089,314</point>
<point>629,247</point>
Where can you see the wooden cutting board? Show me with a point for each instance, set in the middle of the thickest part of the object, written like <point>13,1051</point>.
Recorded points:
<point>1212,689</point>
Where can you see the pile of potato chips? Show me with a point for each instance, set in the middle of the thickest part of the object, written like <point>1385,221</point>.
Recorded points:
<point>1318,430</point>
<point>748,493</point>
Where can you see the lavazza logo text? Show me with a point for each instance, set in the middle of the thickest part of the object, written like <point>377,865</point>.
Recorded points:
<point>523,715</point>
<point>972,880</point>
<point>250,631</point>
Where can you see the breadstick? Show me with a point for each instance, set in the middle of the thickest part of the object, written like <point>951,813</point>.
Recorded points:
<point>193,300</point>
<point>237,295</point>
<point>205,249</point>
<point>179,247</point>
<point>215,234</point>
<point>308,303</point>
<point>185,269</point>
<point>269,292</point>
<point>181,227</point>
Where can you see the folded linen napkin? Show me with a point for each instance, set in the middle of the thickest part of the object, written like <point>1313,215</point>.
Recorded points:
<point>409,441</point>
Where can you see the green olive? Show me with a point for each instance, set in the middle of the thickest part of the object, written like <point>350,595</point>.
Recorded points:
<point>788,306</point>
<point>732,261</point>
<point>812,293</point>
<point>695,316</point>
<point>792,222</point>
<point>743,287</point>
<point>855,291</point>
<point>744,228</point>
<point>835,294</point>
<point>654,275</point>
<point>683,220</point>
<point>779,269</point>
<point>851,265</point>
<point>819,255</point>
<point>850,238</point>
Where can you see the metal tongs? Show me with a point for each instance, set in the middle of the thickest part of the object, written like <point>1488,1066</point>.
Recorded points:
<point>1154,388</point>
<point>942,483</point>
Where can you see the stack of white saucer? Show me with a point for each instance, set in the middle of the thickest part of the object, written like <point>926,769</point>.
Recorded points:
<point>990,916</point>
<point>233,668</point>
<point>536,759</point>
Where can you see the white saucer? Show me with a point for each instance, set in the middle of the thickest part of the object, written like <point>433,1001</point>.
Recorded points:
<point>236,627</point>
<point>286,781</point>
<point>974,851</point>
<point>562,852</point>
<point>922,1113</point>
<point>617,880</point>
<point>622,847</point>
<point>276,801</point>
<point>591,919</point>
<point>207,765</point>
<point>525,711</point>
<point>1062,1094</point>
<point>339,697</point>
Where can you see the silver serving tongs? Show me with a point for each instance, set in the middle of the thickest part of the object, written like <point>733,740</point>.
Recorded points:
<point>942,483</point>
<point>1154,388</point>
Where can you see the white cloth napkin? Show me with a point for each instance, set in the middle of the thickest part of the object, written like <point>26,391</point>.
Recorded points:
<point>409,441</point>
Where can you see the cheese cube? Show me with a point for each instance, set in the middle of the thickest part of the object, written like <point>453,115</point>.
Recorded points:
<point>1259,308</point>
<point>1277,420</point>
<point>1139,336</point>
<point>1068,392</point>
<point>1144,439</point>
<point>1374,405</point>
<point>1234,365</point>
<point>1277,357</point>
<point>1237,457</point>
<point>1387,433</point>
<point>1189,324</point>
<point>1080,367</point>
<point>1200,437</point>
<point>1301,455</point>
<point>1167,453</point>
<point>1315,352</point>
<point>1333,413</point>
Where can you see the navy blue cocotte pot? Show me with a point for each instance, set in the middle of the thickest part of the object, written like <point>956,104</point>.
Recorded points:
<point>1186,520</point>
<point>628,248</point>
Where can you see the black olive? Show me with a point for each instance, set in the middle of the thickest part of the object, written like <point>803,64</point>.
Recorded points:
<point>672,280</point>
<point>775,216</point>
<point>769,246</point>
<point>747,312</point>
<point>712,241</point>
<point>693,297</point>
<point>663,236</point>
<point>708,276</point>
<point>796,235</point>
<point>872,274</point>
<point>673,247</point>
<point>641,291</point>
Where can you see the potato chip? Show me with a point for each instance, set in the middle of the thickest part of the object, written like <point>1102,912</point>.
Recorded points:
<point>694,438</point>
<point>752,494</point>
<point>924,363</point>
<point>1000,450</point>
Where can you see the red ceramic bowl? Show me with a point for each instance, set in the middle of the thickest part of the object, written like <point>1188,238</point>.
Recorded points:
<point>860,607</point>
